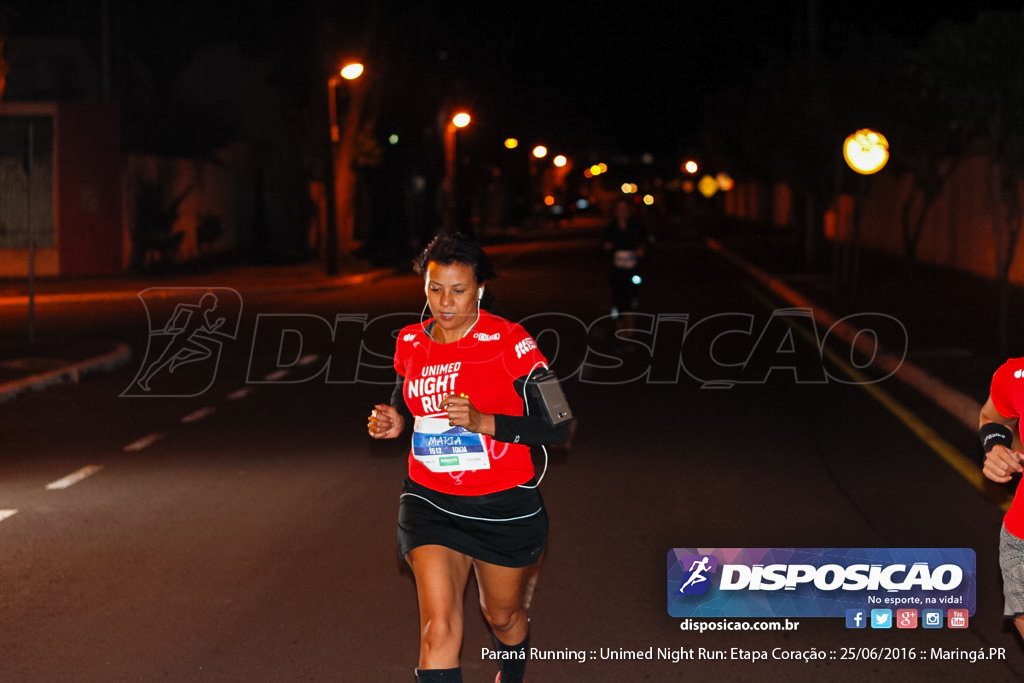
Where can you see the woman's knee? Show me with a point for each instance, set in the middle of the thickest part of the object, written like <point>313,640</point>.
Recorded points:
<point>505,618</point>
<point>441,631</point>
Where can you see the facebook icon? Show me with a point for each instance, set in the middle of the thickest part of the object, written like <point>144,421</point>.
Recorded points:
<point>856,618</point>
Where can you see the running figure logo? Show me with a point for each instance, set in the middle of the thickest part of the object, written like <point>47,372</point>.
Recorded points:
<point>697,581</point>
<point>188,327</point>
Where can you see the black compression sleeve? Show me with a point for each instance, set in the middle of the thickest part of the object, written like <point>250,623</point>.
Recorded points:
<point>530,430</point>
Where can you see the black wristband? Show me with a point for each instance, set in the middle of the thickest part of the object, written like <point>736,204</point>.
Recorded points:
<point>994,434</point>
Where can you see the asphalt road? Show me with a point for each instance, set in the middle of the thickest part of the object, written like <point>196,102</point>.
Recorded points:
<point>234,523</point>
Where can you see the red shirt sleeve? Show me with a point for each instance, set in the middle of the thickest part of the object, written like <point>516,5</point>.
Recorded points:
<point>521,353</point>
<point>1001,392</point>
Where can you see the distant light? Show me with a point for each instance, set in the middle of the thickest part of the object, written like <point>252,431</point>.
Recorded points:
<point>707,186</point>
<point>582,204</point>
<point>648,199</point>
<point>352,71</point>
<point>549,200</point>
<point>636,279</point>
<point>540,151</point>
<point>866,151</point>
<point>596,169</point>
<point>511,143</point>
<point>393,139</point>
<point>588,173</point>
<point>647,159</point>
<point>603,167</point>
<point>690,166</point>
<point>560,161</point>
<point>725,182</point>
<point>460,120</point>
<point>629,188</point>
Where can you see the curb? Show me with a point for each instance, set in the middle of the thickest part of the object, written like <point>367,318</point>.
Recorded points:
<point>68,373</point>
<point>961,406</point>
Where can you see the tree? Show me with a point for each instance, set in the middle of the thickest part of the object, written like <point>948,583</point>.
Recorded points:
<point>978,77</point>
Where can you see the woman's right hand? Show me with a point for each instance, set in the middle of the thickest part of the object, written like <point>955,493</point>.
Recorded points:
<point>1001,463</point>
<point>385,422</point>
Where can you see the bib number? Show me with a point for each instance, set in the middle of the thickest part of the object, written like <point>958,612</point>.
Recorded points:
<point>443,448</point>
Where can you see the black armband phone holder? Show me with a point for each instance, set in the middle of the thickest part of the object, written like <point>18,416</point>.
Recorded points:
<point>544,390</point>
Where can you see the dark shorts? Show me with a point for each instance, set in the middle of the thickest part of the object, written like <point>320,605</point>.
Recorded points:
<point>508,528</point>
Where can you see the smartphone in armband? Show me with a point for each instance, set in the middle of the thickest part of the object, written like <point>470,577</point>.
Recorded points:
<point>543,389</point>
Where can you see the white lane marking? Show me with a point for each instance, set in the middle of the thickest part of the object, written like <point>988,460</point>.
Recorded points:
<point>198,415</point>
<point>4,514</point>
<point>144,442</point>
<point>239,393</point>
<point>308,359</point>
<point>276,375</point>
<point>74,477</point>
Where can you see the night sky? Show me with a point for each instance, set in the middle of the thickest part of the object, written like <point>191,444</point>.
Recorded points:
<point>618,76</point>
<point>634,75</point>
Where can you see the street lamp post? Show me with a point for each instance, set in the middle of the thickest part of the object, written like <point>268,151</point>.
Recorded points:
<point>536,184</point>
<point>866,152</point>
<point>460,120</point>
<point>338,156</point>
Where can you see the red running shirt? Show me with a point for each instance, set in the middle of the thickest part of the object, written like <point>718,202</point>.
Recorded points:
<point>482,365</point>
<point>1007,394</point>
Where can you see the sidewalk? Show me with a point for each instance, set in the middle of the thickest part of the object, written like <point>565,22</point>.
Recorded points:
<point>25,367</point>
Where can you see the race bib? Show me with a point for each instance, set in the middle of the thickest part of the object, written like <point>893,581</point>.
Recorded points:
<point>443,448</point>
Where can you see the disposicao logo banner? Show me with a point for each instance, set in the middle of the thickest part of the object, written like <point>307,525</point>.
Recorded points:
<point>817,582</point>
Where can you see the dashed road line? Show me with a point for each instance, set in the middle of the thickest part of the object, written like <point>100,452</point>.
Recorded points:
<point>74,478</point>
<point>198,415</point>
<point>4,514</point>
<point>144,442</point>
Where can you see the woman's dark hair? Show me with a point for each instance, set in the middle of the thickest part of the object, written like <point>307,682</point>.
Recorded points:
<point>456,248</point>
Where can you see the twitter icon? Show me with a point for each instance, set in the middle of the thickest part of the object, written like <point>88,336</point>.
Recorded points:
<point>881,618</point>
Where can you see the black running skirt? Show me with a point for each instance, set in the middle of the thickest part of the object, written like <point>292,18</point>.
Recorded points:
<point>508,528</point>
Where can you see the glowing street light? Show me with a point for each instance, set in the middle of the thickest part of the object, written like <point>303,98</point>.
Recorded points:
<point>560,161</point>
<point>540,151</point>
<point>459,120</point>
<point>866,151</point>
<point>337,171</point>
<point>511,143</point>
<point>351,71</point>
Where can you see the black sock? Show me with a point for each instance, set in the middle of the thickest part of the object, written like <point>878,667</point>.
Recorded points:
<point>439,675</point>
<point>513,667</point>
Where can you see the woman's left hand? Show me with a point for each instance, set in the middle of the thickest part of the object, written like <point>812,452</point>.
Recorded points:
<point>462,413</point>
